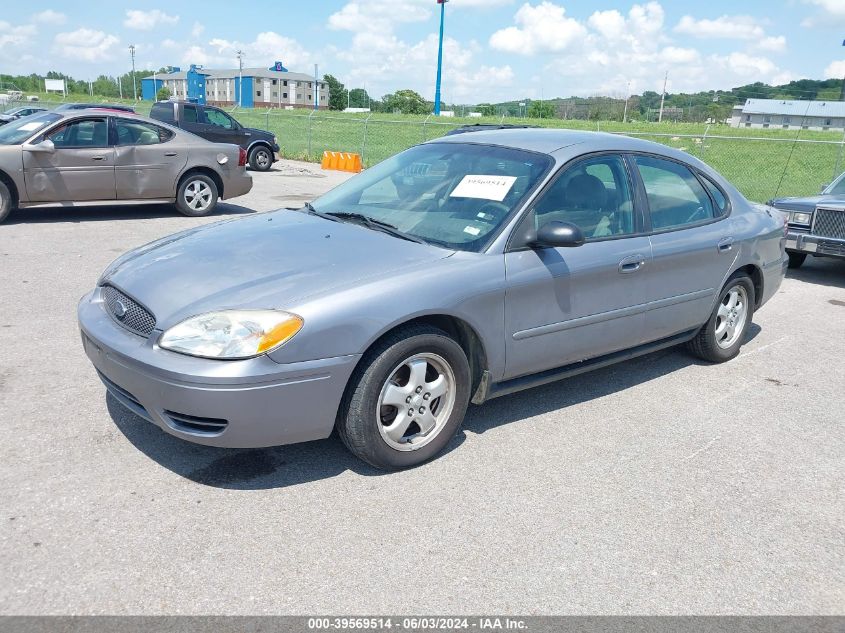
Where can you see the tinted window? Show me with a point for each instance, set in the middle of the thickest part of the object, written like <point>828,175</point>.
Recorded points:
<point>189,114</point>
<point>717,195</point>
<point>675,196</point>
<point>449,194</point>
<point>81,133</point>
<point>216,117</point>
<point>140,133</point>
<point>594,194</point>
<point>163,112</point>
<point>837,188</point>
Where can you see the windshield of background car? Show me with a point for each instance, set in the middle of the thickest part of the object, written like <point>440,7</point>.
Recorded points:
<point>453,195</point>
<point>837,188</point>
<point>18,131</point>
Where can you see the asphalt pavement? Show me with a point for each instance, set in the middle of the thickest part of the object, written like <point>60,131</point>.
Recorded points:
<point>659,486</point>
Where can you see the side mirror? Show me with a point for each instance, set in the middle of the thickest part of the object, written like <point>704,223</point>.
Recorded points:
<point>45,146</point>
<point>558,235</point>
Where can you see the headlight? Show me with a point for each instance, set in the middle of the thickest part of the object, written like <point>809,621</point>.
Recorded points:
<point>801,218</point>
<point>232,333</point>
<point>275,140</point>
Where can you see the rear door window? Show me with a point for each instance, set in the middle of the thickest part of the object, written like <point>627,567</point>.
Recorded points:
<point>676,198</point>
<point>189,114</point>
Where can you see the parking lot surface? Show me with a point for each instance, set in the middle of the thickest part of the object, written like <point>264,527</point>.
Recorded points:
<point>662,485</point>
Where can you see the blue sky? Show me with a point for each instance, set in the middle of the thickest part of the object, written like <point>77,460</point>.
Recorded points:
<point>495,49</point>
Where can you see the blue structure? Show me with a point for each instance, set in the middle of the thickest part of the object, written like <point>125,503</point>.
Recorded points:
<point>246,85</point>
<point>442,4</point>
<point>150,88</point>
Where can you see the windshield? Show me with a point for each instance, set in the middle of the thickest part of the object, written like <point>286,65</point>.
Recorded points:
<point>449,194</point>
<point>18,131</point>
<point>838,186</point>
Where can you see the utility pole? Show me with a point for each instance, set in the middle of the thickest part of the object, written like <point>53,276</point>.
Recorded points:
<point>120,86</point>
<point>627,96</point>
<point>442,4</point>
<point>240,56</point>
<point>842,91</point>
<point>316,88</point>
<point>134,85</point>
<point>663,97</point>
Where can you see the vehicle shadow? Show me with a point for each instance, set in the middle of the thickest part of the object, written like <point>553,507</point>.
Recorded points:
<point>280,467</point>
<point>102,214</point>
<point>824,271</point>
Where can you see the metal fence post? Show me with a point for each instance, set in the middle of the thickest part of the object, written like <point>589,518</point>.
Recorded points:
<point>423,127</point>
<point>267,119</point>
<point>364,140</point>
<point>703,142</point>
<point>838,164</point>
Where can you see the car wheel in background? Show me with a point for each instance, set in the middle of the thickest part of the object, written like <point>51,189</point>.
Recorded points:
<point>260,158</point>
<point>197,195</point>
<point>721,337</point>
<point>796,259</point>
<point>407,398</point>
<point>5,201</point>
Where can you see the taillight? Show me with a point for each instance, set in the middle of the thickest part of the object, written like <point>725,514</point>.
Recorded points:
<point>241,157</point>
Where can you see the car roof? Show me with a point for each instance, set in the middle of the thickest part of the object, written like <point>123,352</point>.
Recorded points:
<point>556,141</point>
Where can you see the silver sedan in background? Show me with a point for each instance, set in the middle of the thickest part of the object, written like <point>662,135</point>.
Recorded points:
<point>103,157</point>
<point>460,270</point>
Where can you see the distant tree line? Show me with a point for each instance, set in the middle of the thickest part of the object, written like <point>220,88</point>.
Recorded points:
<point>102,86</point>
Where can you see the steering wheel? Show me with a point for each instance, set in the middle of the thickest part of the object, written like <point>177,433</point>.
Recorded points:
<point>498,209</point>
<point>698,212</point>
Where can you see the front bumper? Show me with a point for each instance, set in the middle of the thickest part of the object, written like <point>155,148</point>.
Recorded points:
<point>239,404</point>
<point>815,244</point>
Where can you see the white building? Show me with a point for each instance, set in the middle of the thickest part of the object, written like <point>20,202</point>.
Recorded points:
<point>789,115</point>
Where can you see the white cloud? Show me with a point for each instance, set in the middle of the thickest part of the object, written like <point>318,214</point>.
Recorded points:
<point>50,17</point>
<point>541,28</point>
<point>733,27</point>
<point>378,15</point>
<point>266,48</point>
<point>19,36</point>
<point>197,30</point>
<point>830,13</point>
<point>835,70</point>
<point>85,45</point>
<point>775,44</point>
<point>148,20</point>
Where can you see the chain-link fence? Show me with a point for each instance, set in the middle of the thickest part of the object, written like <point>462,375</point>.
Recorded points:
<point>761,163</point>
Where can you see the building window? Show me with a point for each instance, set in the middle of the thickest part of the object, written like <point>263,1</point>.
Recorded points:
<point>299,97</point>
<point>284,95</point>
<point>309,97</point>
<point>827,122</point>
<point>787,120</point>
<point>747,117</point>
<point>275,82</point>
<point>765,125</point>
<point>767,119</point>
<point>275,93</point>
<point>257,93</point>
<point>747,125</point>
<point>285,82</point>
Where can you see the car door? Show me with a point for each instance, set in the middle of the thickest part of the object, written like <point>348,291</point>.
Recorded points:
<point>147,160</point>
<point>564,305</point>
<point>191,120</point>
<point>692,244</point>
<point>80,168</point>
<point>222,128</point>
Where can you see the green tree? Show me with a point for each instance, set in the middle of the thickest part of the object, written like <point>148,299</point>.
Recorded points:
<point>163,94</point>
<point>541,110</point>
<point>337,93</point>
<point>406,102</point>
<point>486,109</point>
<point>358,98</point>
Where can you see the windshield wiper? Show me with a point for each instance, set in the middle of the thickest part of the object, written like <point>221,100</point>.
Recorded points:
<point>375,224</point>
<point>313,211</point>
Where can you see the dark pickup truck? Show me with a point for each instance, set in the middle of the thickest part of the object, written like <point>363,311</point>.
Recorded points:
<point>216,125</point>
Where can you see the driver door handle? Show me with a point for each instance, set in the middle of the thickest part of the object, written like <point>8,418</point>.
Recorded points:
<point>631,264</point>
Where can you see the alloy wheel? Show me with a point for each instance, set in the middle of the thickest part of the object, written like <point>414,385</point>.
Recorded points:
<point>731,316</point>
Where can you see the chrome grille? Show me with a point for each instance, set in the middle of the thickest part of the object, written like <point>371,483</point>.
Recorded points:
<point>829,223</point>
<point>128,312</point>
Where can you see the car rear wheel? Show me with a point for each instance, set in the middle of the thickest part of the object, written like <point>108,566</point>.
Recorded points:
<point>796,259</point>
<point>6,202</point>
<point>260,158</point>
<point>407,399</point>
<point>197,195</point>
<point>721,337</point>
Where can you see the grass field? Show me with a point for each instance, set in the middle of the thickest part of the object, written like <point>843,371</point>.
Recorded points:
<point>761,163</point>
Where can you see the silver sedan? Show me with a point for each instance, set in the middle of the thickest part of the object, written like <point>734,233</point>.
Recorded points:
<point>105,157</point>
<point>460,270</point>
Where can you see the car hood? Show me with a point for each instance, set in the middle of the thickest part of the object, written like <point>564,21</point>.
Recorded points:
<point>807,203</point>
<point>259,133</point>
<point>269,260</point>
<point>6,117</point>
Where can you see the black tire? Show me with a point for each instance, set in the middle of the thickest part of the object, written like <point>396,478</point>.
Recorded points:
<point>184,205</point>
<point>705,345</point>
<point>358,418</point>
<point>6,201</point>
<point>796,259</point>
<point>260,158</point>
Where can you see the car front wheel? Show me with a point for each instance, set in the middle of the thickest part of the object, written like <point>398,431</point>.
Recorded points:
<point>5,201</point>
<point>197,195</point>
<point>260,158</point>
<point>407,399</point>
<point>721,337</point>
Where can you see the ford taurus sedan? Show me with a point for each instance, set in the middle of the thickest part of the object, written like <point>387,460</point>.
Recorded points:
<point>97,157</point>
<point>460,270</point>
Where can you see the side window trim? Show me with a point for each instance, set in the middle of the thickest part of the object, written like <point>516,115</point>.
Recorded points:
<point>695,173</point>
<point>705,180</point>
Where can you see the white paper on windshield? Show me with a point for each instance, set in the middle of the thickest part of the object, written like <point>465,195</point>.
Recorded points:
<point>484,187</point>
<point>32,125</point>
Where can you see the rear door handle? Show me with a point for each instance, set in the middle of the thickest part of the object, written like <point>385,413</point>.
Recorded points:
<point>170,153</point>
<point>725,244</point>
<point>631,264</point>
<point>98,158</point>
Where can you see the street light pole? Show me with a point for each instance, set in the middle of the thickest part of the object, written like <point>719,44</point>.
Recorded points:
<point>240,55</point>
<point>134,85</point>
<point>442,4</point>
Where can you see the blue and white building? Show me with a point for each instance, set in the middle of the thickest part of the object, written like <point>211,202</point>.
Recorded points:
<point>789,114</point>
<point>274,87</point>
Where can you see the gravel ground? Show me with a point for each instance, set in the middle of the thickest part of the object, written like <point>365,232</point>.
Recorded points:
<point>662,485</point>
